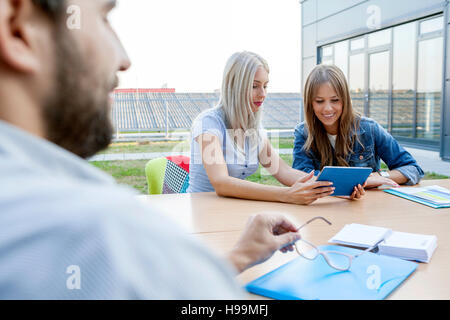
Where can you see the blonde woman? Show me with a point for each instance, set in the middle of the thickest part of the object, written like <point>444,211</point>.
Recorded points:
<point>228,143</point>
<point>335,135</point>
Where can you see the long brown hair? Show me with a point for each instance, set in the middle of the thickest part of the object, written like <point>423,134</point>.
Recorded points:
<point>317,140</point>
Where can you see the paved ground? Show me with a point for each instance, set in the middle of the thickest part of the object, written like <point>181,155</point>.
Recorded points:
<point>428,160</point>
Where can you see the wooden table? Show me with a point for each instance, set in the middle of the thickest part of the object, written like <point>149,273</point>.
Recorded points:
<point>219,221</point>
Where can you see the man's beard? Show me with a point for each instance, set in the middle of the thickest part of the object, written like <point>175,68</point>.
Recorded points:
<point>77,114</point>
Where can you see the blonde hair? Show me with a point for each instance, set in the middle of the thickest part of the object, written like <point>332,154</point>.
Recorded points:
<point>317,140</point>
<point>236,94</point>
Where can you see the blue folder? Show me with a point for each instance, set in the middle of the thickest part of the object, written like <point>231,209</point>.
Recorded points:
<point>416,199</point>
<point>344,178</point>
<point>312,280</point>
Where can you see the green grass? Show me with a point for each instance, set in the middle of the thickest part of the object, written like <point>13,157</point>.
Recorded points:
<point>174,146</point>
<point>283,143</point>
<point>132,173</point>
<point>147,147</point>
<point>263,177</point>
<point>434,176</point>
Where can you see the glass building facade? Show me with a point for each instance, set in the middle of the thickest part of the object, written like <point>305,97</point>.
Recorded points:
<point>395,76</point>
<point>396,70</point>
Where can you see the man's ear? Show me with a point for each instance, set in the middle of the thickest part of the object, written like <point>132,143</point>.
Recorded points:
<point>17,20</point>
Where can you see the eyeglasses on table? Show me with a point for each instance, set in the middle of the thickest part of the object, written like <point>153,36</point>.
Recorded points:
<point>338,260</point>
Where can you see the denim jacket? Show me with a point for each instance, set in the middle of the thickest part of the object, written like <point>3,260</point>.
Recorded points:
<point>378,144</point>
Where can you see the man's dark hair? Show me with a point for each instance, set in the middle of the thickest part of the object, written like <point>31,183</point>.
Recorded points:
<point>54,8</point>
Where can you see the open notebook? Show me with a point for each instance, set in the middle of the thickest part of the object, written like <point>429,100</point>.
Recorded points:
<point>432,196</point>
<point>403,245</point>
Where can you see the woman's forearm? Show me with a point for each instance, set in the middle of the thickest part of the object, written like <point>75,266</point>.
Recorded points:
<point>283,172</point>
<point>237,188</point>
<point>288,176</point>
<point>398,177</point>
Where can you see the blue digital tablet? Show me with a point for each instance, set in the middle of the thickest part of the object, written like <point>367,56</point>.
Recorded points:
<point>344,179</point>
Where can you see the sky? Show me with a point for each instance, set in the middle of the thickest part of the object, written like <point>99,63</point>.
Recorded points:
<point>185,44</point>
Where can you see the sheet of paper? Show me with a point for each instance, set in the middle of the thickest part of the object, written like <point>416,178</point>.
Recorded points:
<point>409,240</point>
<point>360,235</point>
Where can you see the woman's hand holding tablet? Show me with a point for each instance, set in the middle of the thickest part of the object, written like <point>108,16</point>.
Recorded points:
<point>348,181</point>
<point>307,189</point>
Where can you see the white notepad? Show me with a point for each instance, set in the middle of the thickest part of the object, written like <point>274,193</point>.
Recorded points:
<point>409,246</point>
<point>360,235</point>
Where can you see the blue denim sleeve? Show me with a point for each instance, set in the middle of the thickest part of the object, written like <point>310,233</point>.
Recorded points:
<point>302,161</point>
<point>395,156</point>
